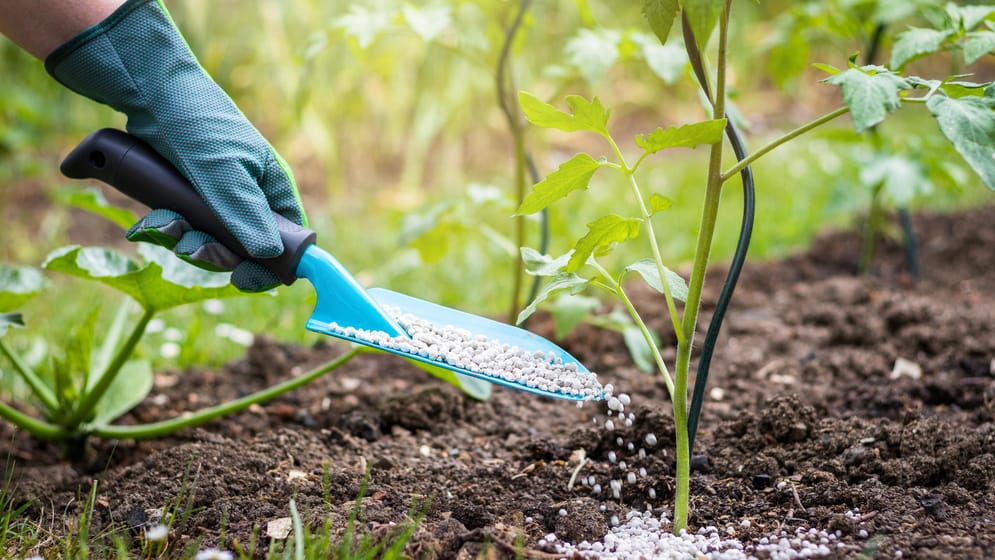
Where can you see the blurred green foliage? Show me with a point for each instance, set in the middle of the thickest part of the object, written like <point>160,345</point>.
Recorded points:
<point>388,113</point>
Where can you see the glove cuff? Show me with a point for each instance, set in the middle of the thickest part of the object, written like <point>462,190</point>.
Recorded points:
<point>72,45</point>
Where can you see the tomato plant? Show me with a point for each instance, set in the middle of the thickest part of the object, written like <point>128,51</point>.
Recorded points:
<point>964,111</point>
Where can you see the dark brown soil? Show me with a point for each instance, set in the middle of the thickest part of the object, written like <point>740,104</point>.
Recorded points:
<point>806,426</point>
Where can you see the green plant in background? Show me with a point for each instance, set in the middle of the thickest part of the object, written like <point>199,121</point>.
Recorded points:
<point>93,377</point>
<point>965,114</point>
<point>898,169</point>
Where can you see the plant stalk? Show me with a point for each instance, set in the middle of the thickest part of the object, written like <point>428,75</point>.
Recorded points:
<point>706,232</point>
<point>33,426</point>
<point>166,427</point>
<point>509,106</point>
<point>629,172</point>
<point>93,396</point>
<point>764,150</point>
<point>38,387</point>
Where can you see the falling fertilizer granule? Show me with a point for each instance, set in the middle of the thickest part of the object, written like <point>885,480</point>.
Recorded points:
<point>478,354</point>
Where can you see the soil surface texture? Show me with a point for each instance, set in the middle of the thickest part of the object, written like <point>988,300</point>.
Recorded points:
<point>859,406</point>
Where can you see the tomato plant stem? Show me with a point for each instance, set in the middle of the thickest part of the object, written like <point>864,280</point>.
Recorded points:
<point>764,150</point>
<point>38,387</point>
<point>93,396</point>
<point>166,427</point>
<point>615,286</point>
<point>706,231</point>
<point>654,245</point>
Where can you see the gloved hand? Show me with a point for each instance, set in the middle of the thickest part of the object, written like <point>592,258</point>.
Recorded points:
<point>137,62</point>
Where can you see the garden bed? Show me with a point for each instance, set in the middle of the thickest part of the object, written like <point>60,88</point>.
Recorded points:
<point>810,424</point>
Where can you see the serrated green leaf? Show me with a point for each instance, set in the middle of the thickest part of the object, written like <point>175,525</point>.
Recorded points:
<point>916,42</point>
<point>92,200</point>
<point>602,233</point>
<point>661,15</point>
<point>969,124</point>
<point>593,51</point>
<point>569,310</point>
<point>8,320</point>
<point>647,269</point>
<point>427,22</point>
<point>871,92</point>
<point>585,115</point>
<point>538,264</point>
<point>684,136</point>
<point>703,15</point>
<point>572,175</point>
<point>953,88</point>
<point>977,44</point>
<point>165,283</point>
<point>18,284</point>
<point>132,384</point>
<point>565,281</point>
<point>659,203</point>
<point>968,17</point>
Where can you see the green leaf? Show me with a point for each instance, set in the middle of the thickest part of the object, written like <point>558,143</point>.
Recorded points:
<point>950,86</point>
<point>569,310</point>
<point>969,123</point>
<point>902,178</point>
<point>916,42</point>
<point>702,15</point>
<point>586,115</point>
<point>642,354</point>
<point>164,283</point>
<point>967,18</point>
<point>789,55</point>
<point>827,68</point>
<point>871,92</point>
<point>565,281</point>
<point>593,52</point>
<point>76,362</point>
<point>10,320</point>
<point>602,233</point>
<point>977,44</point>
<point>647,269</point>
<point>666,61</point>
<point>92,200</point>
<point>132,384</point>
<point>574,174</point>
<point>661,15</point>
<point>659,203</point>
<point>538,264</point>
<point>429,21</point>
<point>18,284</point>
<point>684,136</point>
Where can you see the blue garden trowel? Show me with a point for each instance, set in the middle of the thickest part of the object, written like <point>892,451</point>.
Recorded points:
<point>134,168</point>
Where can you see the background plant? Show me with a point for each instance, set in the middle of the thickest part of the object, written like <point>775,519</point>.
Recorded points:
<point>965,113</point>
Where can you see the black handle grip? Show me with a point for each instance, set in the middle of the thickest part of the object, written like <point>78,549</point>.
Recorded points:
<point>131,166</point>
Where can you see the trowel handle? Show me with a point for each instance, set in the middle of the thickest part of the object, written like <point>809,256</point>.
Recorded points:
<point>131,166</point>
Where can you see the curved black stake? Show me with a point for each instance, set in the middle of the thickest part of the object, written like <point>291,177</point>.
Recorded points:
<point>736,266</point>
<point>728,287</point>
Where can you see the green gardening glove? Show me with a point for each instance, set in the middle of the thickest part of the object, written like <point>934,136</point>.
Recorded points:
<point>137,62</point>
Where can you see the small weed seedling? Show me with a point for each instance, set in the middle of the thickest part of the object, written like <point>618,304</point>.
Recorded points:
<point>964,111</point>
